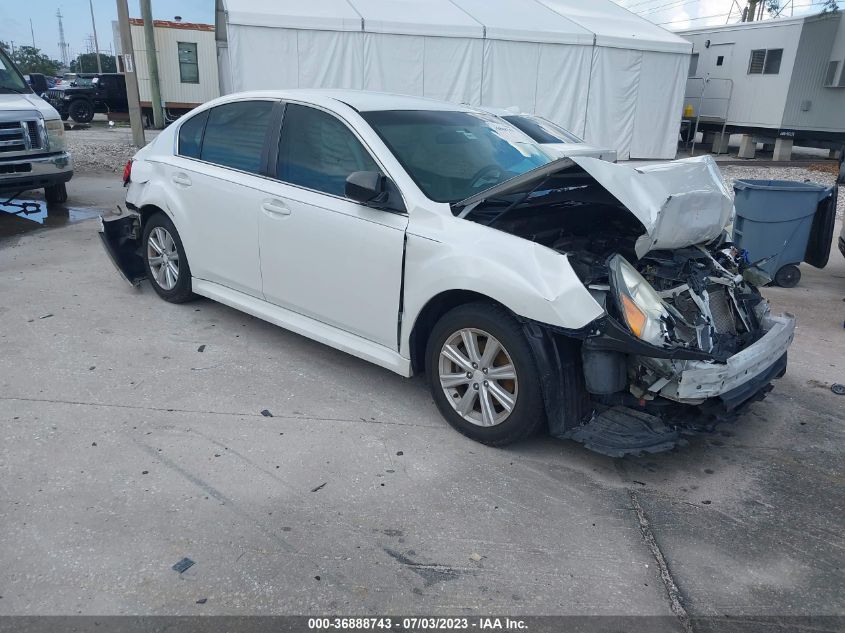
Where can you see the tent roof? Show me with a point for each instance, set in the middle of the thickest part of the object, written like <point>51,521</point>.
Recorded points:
<point>325,15</point>
<point>618,27</point>
<point>417,17</point>
<point>526,21</point>
<point>556,21</point>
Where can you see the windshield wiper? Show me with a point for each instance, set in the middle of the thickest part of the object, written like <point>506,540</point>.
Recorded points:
<point>519,200</point>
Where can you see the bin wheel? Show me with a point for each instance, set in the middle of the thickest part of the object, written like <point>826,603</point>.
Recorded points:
<point>788,276</point>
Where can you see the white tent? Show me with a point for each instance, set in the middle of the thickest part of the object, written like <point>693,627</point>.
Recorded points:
<point>589,65</point>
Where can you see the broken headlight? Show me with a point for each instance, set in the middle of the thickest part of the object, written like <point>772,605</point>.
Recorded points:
<point>644,311</point>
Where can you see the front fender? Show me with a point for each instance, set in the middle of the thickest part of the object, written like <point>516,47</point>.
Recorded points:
<point>531,280</point>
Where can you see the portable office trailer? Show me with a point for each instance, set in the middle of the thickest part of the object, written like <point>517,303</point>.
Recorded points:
<point>787,76</point>
<point>593,67</point>
<point>187,62</point>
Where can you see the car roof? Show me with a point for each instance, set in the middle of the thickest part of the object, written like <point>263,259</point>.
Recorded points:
<point>360,100</point>
<point>502,111</point>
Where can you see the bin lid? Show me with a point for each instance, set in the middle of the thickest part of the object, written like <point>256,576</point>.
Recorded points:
<point>779,185</point>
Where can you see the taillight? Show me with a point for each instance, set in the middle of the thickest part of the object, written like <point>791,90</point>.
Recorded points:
<point>127,172</point>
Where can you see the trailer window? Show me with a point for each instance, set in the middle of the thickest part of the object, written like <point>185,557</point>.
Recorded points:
<point>765,61</point>
<point>772,65</point>
<point>830,77</point>
<point>189,72</point>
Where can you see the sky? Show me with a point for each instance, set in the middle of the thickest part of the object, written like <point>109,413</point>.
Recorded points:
<point>685,14</point>
<point>16,14</point>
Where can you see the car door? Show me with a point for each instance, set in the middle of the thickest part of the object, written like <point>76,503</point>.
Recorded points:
<point>215,181</point>
<point>323,255</point>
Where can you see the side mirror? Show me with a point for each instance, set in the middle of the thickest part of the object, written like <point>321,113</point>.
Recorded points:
<point>374,190</point>
<point>364,186</point>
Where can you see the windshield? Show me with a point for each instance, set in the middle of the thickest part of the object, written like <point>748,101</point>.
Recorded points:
<point>541,130</point>
<point>10,78</point>
<point>453,155</point>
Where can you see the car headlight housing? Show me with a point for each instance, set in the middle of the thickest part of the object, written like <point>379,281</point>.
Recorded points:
<point>55,134</point>
<point>643,310</point>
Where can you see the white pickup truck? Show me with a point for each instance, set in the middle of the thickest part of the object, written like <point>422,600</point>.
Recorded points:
<point>32,140</point>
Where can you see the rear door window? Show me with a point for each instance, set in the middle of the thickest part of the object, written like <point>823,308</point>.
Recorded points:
<point>318,151</point>
<point>190,135</point>
<point>235,134</point>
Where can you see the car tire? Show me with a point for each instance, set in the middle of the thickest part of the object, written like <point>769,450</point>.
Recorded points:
<point>55,194</point>
<point>81,111</point>
<point>165,260</point>
<point>460,399</point>
<point>65,116</point>
<point>788,276</point>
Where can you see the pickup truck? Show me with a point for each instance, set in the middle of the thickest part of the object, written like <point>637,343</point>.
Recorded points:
<point>33,153</point>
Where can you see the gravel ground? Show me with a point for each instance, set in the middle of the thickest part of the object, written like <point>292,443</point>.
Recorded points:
<point>104,154</point>
<point>97,156</point>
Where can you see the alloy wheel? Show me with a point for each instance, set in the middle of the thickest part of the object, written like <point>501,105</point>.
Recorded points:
<point>478,377</point>
<point>163,258</point>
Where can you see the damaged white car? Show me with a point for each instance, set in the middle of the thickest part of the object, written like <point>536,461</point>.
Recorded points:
<point>595,300</point>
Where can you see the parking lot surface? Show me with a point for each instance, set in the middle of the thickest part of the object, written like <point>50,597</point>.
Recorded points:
<point>135,433</point>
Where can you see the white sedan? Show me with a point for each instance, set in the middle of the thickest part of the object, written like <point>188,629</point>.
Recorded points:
<point>551,136</point>
<point>577,295</point>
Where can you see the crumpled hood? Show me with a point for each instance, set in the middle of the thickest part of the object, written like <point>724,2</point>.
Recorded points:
<point>26,103</point>
<point>680,203</point>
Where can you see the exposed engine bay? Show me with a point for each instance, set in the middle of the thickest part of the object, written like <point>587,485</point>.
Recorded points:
<point>685,322</point>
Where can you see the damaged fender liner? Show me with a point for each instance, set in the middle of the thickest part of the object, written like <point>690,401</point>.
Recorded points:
<point>565,396</point>
<point>619,430</point>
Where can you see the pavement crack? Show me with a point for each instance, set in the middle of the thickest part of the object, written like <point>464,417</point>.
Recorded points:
<point>211,412</point>
<point>672,591</point>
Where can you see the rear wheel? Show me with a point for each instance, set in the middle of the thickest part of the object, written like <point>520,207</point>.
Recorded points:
<point>81,111</point>
<point>788,276</point>
<point>165,260</point>
<point>482,375</point>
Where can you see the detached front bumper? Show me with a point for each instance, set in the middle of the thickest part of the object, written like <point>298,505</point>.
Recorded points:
<point>744,373</point>
<point>34,172</point>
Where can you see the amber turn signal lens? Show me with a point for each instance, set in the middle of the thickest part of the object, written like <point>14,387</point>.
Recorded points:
<point>633,315</point>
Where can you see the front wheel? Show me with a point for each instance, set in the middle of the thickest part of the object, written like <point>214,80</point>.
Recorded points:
<point>165,260</point>
<point>81,111</point>
<point>55,194</point>
<point>482,375</point>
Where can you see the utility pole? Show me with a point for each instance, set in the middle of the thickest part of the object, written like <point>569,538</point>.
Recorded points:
<point>152,63</point>
<point>129,69</point>
<point>96,44</point>
<point>751,11</point>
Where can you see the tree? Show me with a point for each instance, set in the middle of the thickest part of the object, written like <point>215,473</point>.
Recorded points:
<point>87,63</point>
<point>830,6</point>
<point>31,60</point>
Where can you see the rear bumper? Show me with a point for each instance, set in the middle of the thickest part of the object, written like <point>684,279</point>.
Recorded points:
<point>24,173</point>
<point>751,368</point>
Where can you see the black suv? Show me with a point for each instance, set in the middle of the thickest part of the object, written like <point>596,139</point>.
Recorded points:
<point>90,94</point>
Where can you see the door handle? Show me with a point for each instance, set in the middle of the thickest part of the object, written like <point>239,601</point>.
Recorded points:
<point>275,207</point>
<point>181,179</point>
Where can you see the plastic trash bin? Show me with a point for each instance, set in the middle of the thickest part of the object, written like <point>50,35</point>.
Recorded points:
<point>784,223</point>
